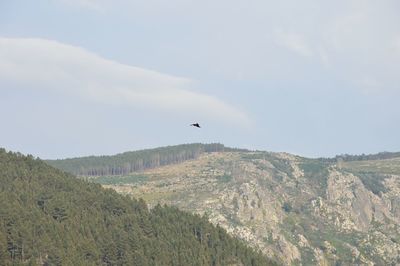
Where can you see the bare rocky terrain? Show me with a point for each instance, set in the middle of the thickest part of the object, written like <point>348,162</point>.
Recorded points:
<point>299,211</point>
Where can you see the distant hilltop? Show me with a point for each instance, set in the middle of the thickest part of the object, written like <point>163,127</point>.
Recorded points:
<point>133,161</point>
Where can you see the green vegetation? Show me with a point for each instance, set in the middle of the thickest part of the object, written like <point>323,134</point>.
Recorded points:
<point>373,172</point>
<point>387,166</point>
<point>373,182</point>
<point>128,162</point>
<point>316,171</point>
<point>369,157</point>
<point>224,178</point>
<point>324,237</point>
<point>287,206</point>
<point>48,217</point>
<point>119,180</point>
<point>281,165</point>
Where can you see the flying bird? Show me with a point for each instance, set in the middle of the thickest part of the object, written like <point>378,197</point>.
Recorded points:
<point>195,125</point>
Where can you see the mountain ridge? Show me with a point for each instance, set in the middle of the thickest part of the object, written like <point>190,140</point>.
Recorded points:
<point>139,160</point>
<point>132,161</point>
<point>300,210</point>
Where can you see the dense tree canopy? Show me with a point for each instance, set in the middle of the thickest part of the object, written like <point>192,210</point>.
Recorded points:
<point>49,217</point>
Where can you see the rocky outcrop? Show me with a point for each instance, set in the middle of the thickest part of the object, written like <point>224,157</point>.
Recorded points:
<point>300,211</point>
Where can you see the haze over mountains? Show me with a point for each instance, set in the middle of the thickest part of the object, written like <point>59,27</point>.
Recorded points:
<point>338,211</point>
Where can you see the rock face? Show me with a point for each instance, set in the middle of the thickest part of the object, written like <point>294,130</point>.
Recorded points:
<point>300,211</point>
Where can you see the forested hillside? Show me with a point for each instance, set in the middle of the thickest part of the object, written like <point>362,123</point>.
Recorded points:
<point>128,162</point>
<point>48,217</point>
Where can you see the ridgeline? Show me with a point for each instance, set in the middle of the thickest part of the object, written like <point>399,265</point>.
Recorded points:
<point>128,162</point>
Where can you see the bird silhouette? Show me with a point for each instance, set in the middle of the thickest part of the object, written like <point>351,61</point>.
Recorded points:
<point>195,125</point>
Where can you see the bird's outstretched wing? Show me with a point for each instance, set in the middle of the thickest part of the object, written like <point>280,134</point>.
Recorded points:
<point>195,125</point>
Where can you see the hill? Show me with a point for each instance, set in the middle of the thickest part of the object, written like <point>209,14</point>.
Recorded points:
<point>303,211</point>
<point>134,161</point>
<point>49,217</point>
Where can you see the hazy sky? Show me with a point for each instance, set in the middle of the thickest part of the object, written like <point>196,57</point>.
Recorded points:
<point>314,78</point>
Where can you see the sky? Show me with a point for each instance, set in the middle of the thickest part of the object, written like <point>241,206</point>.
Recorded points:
<point>95,77</point>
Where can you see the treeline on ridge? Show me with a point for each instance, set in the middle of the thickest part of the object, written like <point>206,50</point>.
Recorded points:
<point>361,157</point>
<point>49,217</point>
<point>129,162</point>
<point>368,157</point>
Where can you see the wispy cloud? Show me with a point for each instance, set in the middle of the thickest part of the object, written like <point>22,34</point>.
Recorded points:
<point>50,65</point>
<point>295,42</point>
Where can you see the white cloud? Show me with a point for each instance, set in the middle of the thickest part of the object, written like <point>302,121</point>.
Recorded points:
<point>295,42</point>
<point>50,65</point>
